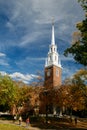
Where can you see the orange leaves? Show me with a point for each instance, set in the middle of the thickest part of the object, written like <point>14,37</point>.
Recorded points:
<point>76,37</point>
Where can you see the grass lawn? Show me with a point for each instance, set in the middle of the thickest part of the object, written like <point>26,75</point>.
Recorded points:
<point>10,127</point>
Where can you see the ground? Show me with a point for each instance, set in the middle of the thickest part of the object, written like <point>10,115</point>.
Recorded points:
<point>56,125</point>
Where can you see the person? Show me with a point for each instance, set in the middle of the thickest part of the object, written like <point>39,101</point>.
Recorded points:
<point>27,122</point>
<point>20,120</point>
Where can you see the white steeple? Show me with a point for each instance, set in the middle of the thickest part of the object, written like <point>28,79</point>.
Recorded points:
<point>53,36</point>
<point>53,56</point>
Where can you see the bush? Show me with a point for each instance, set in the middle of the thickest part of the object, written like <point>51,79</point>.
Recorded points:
<point>6,117</point>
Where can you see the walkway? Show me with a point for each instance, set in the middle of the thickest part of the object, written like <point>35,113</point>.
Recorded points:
<point>17,123</point>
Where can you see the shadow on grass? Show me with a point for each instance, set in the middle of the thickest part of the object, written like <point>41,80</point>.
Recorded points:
<point>56,126</point>
<point>56,123</point>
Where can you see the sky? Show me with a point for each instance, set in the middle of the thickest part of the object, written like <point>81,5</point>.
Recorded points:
<point>25,35</point>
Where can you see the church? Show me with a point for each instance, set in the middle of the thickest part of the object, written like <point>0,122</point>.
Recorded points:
<point>53,67</point>
<point>52,78</point>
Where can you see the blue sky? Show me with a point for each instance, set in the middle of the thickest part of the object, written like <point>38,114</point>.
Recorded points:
<point>25,35</point>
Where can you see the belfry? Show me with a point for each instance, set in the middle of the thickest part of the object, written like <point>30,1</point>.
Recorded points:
<point>53,67</point>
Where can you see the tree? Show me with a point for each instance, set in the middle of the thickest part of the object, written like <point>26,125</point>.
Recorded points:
<point>83,4</point>
<point>79,47</point>
<point>80,79</point>
<point>75,91</point>
<point>8,92</point>
<point>28,99</point>
<point>39,80</point>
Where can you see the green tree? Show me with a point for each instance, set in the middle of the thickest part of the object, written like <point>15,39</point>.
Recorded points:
<point>79,47</point>
<point>8,92</point>
<point>83,4</point>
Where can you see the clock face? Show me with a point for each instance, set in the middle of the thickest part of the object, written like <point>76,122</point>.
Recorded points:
<point>48,73</point>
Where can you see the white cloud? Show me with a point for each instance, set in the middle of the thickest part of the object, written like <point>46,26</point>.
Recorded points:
<point>64,58</point>
<point>3,59</point>
<point>2,54</point>
<point>21,76</point>
<point>3,73</point>
<point>29,14</point>
<point>26,21</point>
<point>36,59</point>
<point>30,60</point>
<point>29,38</point>
<point>28,63</point>
<point>26,78</point>
<point>3,62</point>
<point>10,26</point>
<point>64,27</point>
<point>36,11</point>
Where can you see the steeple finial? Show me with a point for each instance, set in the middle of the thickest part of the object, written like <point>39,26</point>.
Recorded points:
<point>53,36</point>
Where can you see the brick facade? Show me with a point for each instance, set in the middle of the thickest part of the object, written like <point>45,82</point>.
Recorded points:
<point>52,76</point>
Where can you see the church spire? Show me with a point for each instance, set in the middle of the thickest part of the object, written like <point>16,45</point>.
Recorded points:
<point>53,35</point>
<point>53,56</point>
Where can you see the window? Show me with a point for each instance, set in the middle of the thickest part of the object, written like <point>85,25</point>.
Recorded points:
<point>50,58</point>
<point>48,73</point>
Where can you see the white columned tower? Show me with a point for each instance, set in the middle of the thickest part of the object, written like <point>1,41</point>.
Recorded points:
<point>52,64</point>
